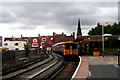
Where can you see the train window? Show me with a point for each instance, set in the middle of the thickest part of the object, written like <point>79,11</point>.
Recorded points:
<point>70,46</point>
<point>67,46</point>
<point>74,46</point>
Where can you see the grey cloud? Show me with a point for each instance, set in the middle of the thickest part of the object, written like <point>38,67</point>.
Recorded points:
<point>57,15</point>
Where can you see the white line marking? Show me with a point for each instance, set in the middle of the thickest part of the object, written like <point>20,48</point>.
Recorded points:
<point>89,73</point>
<point>77,68</point>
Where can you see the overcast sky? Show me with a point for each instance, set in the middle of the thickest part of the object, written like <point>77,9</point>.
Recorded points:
<point>32,18</point>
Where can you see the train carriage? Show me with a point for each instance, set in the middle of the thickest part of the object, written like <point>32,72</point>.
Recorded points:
<point>66,49</point>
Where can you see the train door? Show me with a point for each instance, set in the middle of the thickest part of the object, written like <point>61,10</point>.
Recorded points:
<point>70,49</point>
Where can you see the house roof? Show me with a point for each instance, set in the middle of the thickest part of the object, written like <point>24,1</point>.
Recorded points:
<point>21,39</point>
<point>48,39</point>
<point>63,38</point>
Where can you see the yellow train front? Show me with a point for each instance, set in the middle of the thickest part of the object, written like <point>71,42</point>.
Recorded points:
<point>70,49</point>
<point>67,49</point>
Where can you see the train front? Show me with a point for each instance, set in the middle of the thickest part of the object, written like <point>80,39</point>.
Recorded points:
<point>70,49</point>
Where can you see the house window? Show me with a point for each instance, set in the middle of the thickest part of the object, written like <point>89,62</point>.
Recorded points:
<point>16,49</point>
<point>26,40</point>
<point>51,38</point>
<point>5,44</point>
<point>43,39</point>
<point>35,45</point>
<point>34,40</point>
<point>16,44</point>
<point>42,43</point>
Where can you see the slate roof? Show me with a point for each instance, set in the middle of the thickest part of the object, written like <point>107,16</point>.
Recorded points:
<point>21,39</point>
<point>48,39</point>
<point>64,38</point>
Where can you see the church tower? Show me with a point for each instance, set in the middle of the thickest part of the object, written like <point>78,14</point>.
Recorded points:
<point>79,33</point>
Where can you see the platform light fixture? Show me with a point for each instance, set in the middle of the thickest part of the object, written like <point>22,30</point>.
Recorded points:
<point>88,38</point>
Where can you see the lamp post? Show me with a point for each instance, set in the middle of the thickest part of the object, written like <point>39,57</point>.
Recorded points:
<point>103,38</point>
<point>103,41</point>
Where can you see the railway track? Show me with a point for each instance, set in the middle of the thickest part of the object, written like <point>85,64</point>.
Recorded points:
<point>51,68</point>
<point>22,65</point>
<point>31,71</point>
<point>66,72</point>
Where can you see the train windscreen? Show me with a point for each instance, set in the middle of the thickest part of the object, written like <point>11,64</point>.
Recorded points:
<point>70,46</point>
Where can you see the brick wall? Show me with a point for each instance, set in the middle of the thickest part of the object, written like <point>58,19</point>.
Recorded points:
<point>10,56</point>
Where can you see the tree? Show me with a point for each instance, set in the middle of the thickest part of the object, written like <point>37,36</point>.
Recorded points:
<point>27,51</point>
<point>108,29</point>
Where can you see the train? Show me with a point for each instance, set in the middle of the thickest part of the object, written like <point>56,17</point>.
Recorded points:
<point>66,49</point>
<point>3,49</point>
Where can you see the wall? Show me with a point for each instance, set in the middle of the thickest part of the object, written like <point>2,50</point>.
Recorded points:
<point>10,56</point>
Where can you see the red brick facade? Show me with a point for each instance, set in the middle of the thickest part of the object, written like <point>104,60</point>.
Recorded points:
<point>44,43</point>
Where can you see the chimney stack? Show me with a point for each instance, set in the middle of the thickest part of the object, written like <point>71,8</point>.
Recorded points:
<point>21,36</point>
<point>74,34</point>
<point>12,36</point>
<point>62,33</point>
<point>39,35</point>
<point>54,34</point>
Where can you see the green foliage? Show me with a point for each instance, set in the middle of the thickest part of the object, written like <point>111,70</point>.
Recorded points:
<point>113,43</point>
<point>27,47</point>
<point>108,29</point>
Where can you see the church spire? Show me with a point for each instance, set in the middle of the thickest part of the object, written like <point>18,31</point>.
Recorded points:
<point>79,28</point>
<point>79,33</point>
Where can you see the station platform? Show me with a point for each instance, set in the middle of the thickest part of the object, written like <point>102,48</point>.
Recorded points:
<point>97,67</point>
<point>83,69</point>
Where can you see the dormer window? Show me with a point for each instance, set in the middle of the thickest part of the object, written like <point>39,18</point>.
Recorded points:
<point>43,39</point>
<point>26,40</point>
<point>34,40</point>
<point>51,38</point>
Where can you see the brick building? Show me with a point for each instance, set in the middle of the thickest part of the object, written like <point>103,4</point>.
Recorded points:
<point>43,43</point>
<point>62,37</point>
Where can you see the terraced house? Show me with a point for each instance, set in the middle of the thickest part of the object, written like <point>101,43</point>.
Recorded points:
<point>43,43</point>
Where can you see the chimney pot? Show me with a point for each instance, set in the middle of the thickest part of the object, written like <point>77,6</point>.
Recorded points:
<point>21,35</point>
<point>38,35</point>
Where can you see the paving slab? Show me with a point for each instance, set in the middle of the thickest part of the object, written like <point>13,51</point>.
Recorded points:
<point>83,69</point>
<point>99,60</point>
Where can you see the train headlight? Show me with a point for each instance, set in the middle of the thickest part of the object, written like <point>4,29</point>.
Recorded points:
<point>75,51</point>
<point>65,51</point>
